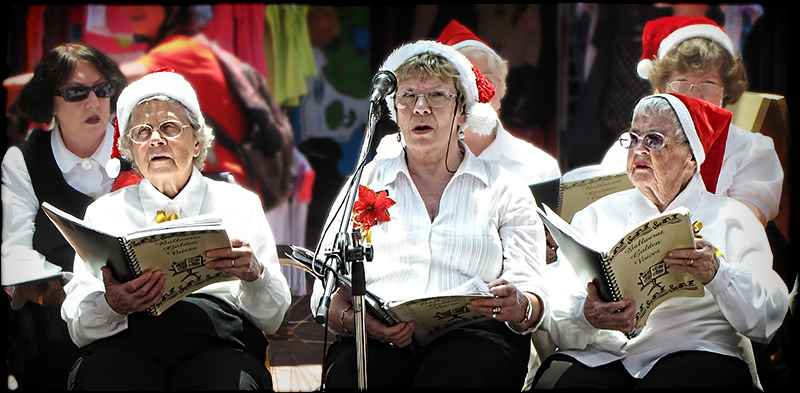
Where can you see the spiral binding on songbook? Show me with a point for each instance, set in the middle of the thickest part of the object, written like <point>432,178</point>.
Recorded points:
<point>612,281</point>
<point>133,262</point>
<point>131,257</point>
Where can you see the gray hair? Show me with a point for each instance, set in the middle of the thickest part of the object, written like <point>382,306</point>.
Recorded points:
<point>202,132</point>
<point>653,106</point>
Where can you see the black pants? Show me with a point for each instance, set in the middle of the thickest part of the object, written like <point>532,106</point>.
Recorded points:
<point>482,355</point>
<point>200,343</point>
<point>125,368</point>
<point>680,369</point>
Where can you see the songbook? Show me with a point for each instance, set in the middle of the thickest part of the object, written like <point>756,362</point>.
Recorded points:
<point>633,268</point>
<point>177,248</point>
<point>433,315</point>
<point>578,188</point>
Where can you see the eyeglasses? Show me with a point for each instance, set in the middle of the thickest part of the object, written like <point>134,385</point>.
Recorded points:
<point>652,140</point>
<point>434,98</point>
<point>168,129</point>
<point>79,93</point>
<point>705,88</point>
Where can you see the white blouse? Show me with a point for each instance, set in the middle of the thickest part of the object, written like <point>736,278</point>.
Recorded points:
<point>531,164</point>
<point>20,262</point>
<point>263,301</point>
<point>746,297</point>
<point>487,227</point>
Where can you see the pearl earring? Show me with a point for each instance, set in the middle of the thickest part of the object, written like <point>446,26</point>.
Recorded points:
<point>461,135</point>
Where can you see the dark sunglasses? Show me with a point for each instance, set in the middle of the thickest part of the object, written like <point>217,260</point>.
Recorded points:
<point>79,93</point>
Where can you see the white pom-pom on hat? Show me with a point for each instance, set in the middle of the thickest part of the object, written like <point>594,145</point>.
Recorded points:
<point>481,118</point>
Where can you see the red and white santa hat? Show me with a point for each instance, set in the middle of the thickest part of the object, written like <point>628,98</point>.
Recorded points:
<point>706,127</point>
<point>458,36</point>
<point>162,81</point>
<point>663,34</point>
<point>478,91</point>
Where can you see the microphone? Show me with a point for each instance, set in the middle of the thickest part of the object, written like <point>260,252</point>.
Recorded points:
<point>383,84</point>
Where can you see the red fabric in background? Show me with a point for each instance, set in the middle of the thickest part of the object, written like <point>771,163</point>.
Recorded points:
<point>239,29</point>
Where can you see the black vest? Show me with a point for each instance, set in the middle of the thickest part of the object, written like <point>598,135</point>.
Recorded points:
<point>50,186</point>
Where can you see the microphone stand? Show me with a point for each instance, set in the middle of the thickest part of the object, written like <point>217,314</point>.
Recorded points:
<point>349,247</point>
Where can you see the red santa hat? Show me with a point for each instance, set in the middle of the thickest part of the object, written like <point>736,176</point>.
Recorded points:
<point>478,91</point>
<point>458,36</point>
<point>706,127</point>
<point>663,34</point>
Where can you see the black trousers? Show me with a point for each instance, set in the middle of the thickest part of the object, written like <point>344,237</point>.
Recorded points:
<point>200,343</point>
<point>680,369</point>
<point>126,368</point>
<point>482,355</point>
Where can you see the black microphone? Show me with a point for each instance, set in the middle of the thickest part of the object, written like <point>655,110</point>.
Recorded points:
<point>383,84</point>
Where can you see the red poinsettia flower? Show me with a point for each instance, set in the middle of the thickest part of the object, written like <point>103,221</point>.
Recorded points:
<point>371,208</point>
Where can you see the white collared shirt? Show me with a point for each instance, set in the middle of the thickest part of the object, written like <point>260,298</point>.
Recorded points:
<point>531,164</point>
<point>263,301</point>
<point>486,226</point>
<point>746,297</point>
<point>87,175</point>
<point>20,262</point>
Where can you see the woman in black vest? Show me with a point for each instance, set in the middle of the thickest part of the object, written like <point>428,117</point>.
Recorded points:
<point>74,88</point>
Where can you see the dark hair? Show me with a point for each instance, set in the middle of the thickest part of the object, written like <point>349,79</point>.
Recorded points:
<point>54,71</point>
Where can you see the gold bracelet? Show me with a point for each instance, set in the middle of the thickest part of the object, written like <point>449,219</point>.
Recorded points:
<point>342,320</point>
<point>528,312</point>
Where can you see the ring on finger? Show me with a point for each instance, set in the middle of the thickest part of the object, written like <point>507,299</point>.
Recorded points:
<point>691,262</point>
<point>495,311</point>
<point>233,263</point>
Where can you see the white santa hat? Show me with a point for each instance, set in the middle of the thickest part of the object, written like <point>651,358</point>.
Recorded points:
<point>663,34</point>
<point>478,91</point>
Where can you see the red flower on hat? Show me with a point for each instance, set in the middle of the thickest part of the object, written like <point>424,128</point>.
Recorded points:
<point>371,208</point>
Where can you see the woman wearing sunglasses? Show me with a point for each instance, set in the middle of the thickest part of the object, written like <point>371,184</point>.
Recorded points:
<point>687,341</point>
<point>693,56</point>
<point>74,88</point>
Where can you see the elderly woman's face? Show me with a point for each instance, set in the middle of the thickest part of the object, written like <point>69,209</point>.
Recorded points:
<point>423,126</point>
<point>162,158</point>
<point>708,86</point>
<point>662,172</point>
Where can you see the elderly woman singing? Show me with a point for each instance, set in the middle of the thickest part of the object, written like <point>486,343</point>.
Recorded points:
<point>455,217</point>
<point>212,339</point>
<point>687,341</point>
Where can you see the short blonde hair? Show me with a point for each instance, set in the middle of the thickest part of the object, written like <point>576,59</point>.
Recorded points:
<point>429,64</point>
<point>701,55</point>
